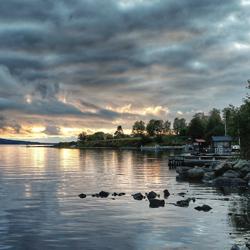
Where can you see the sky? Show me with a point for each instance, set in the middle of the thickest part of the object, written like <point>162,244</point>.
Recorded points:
<point>68,66</point>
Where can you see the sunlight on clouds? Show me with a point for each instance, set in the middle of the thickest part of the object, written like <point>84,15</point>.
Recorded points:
<point>37,130</point>
<point>245,2</point>
<point>28,99</point>
<point>157,110</point>
<point>151,110</point>
<point>241,46</point>
<point>127,4</point>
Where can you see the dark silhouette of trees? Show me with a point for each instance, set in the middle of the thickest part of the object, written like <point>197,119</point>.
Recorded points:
<point>139,128</point>
<point>155,127</point>
<point>180,126</point>
<point>119,132</point>
<point>82,137</point>
<point>197,126</point>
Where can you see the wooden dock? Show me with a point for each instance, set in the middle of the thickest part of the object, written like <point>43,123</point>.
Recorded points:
<point>192,160</point>
<point>161,148</point>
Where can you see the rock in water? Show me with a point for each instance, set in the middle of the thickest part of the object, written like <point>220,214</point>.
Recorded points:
<point>235,247</point>
<point>155,203</point>
<point>196,173</point>
<point>82,196</point>
<point>138,196</point>
<point>183,203</point>
<point>151,195</point>
<point>166,193</point>
<point>103,194</point>
<point>204,208</point>
<point>121,194</point>
<point>182,194</point>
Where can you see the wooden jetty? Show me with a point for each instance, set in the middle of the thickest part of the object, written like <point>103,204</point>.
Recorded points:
<point>161,148</point>
<point>193,160</point>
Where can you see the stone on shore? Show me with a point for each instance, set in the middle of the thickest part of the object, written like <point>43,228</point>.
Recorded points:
<point>166,193</point>
<point>82,196</point>
<point>231,174</point>
<point>204,208</point>
<point>138,196</point>
<point>103,194</point>
<point>208,177</point>
<point>151,195</point>
<point>221,168</point>
<point>155,203</point>
<point>241,164</point>
<point>247,177</point>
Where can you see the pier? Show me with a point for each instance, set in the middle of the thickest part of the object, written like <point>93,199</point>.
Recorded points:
<point>201,160</point>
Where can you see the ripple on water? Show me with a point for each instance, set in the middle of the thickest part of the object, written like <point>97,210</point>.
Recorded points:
<point>40,207</point>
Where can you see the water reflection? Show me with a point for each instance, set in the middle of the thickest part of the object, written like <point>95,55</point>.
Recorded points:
<point>40,208</point>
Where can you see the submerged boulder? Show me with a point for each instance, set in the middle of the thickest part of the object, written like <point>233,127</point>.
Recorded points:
<point>138,196</point>
<point>204,208</point>
<point>155,203</point>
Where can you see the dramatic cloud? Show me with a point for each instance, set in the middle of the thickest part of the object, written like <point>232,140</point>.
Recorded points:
<point>70,65</point>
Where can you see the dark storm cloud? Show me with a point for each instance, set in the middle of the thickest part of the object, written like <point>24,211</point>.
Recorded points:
<point>96,53</point>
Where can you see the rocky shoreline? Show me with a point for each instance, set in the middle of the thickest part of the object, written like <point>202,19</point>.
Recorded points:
<point>225,174</point>
<point>230,174</point>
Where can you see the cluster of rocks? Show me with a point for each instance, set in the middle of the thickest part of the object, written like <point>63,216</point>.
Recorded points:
<point>153,198</point>
<point>231,174</point>
<point>236,247</point>
<point>102,194</point>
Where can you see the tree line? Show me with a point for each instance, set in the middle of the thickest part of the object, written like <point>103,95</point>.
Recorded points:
<point>200,126</point>
<point>232,121</point>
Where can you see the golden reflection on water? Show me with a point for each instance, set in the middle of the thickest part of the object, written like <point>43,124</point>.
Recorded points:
<point>67,159</point>
<point>38,156</point>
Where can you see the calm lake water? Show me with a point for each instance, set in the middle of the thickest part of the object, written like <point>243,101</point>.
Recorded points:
<point>40,207</point>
